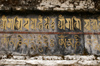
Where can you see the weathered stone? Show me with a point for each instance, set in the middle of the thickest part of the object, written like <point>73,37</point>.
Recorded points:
<point>92,44</point>
<point>48,4</point>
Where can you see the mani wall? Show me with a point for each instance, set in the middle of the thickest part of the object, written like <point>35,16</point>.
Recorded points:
<point>50,34</point>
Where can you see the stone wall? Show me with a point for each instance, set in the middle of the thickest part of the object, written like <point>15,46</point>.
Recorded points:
<point>89,51</point>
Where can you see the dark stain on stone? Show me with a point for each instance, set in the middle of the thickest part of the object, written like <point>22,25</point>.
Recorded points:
<point>62,1</point>
<point>20,2</point>
<point>9,56</point>
<point>97,4</point>
<point>34,55</point>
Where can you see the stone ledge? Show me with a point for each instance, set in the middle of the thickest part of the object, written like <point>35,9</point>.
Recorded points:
<point>53,5</point>
<point>75,60</point>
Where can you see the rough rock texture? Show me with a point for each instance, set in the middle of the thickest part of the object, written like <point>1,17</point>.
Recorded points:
<point>68,60</point>
<point>55,5</point>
